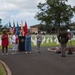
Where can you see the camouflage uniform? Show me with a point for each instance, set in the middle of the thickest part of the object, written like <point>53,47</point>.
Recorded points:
<point>63,39</point>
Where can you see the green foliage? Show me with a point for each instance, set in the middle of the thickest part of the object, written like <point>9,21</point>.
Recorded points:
<point>7,33</point>
<point>0,21</point>
<point>55,13</point>
<point>0,33</point>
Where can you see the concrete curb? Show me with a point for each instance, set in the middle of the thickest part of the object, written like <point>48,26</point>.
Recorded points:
<point>8,71</point>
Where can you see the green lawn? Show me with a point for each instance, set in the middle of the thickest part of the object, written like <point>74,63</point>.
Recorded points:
<point>54,44</point>
<point>2,70</point>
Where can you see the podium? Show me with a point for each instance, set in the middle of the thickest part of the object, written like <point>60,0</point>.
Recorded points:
<point>21,43</point>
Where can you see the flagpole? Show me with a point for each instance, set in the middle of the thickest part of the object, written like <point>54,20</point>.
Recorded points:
<point>21,29</point>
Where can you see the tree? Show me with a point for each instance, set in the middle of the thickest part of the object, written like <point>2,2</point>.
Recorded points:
<point>55,13</point>
<point>0,23</point>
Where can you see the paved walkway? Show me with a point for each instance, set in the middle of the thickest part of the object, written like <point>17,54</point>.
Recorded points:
<point>44,63</point>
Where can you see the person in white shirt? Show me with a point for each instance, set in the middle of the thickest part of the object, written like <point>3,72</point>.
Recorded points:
<point>39,40</point>
<point>15,44</point>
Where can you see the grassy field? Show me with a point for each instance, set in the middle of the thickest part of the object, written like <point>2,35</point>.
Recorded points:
<point>2,70</point>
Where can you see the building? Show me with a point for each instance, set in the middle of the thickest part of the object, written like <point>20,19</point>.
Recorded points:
<point>34,28</point>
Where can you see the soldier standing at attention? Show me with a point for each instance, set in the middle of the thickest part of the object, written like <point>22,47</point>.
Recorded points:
<point>63,39</point>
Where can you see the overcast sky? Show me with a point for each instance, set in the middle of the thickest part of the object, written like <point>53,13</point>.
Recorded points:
<point>18,10</point>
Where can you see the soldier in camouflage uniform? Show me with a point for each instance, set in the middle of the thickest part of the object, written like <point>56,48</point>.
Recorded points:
<point>63,39</point>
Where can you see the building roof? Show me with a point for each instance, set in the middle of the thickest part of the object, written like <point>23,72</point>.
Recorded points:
<point>38,25</point>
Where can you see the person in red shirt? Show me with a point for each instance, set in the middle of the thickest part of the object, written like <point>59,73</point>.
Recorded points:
<point>5,42</point>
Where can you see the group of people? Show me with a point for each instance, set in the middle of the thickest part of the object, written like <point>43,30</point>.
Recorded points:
<point>5,43</point>
<point>63,38</point>
<point>15,42</point>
